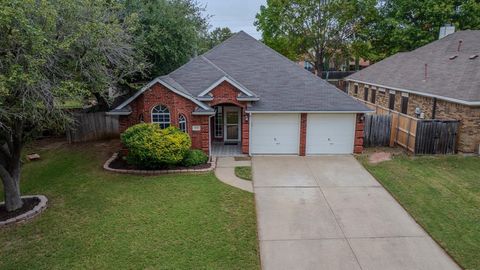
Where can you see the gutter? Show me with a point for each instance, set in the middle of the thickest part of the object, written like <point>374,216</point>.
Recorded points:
<point>454,100</point>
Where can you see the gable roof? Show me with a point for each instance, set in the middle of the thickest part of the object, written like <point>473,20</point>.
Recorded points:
<point>271,81</point>
<point>451,74</point>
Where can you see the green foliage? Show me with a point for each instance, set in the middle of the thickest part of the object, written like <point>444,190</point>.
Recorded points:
<point>151,147</point>
<point>244,172</point>
<point>314,30</point>
<point>442,193</point>
<point>102,220</point>
<point>215,37</point>
<point>404,25</point>
<point>167,32</point>
<point>194,157</point>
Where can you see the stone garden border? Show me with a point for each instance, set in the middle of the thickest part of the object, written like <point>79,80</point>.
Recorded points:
<point>107,167</point>
<point>37,210</point>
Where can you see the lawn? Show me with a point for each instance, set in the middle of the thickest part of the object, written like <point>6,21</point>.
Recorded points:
<point>443,195</point>
<point>101,220</point>
<point>244,172</point>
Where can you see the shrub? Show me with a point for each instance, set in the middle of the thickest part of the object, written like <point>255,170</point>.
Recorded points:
<point>195,157</point>
<point>151,147</point>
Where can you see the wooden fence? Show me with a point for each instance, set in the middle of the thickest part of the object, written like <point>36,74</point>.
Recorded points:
<point>404,131</point>
<point>377,130</point>
<point>93,126</point>
<point>436,137</point>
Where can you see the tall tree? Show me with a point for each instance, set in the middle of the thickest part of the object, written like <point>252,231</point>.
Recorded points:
<point>215,37</point>
<point>167,32</point>
<point>316,30</point>
<point>404,25</point>
<point>51,51</point>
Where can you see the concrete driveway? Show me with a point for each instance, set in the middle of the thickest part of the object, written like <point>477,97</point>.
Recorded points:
<point>328,212</point>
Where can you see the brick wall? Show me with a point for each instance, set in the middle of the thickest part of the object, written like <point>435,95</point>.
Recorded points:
<point>159,95</point>
<point>469,116</point>
<point>303,134</point>
<point>359,126</point>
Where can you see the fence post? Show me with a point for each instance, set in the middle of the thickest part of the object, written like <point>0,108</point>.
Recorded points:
<point>408,133</point>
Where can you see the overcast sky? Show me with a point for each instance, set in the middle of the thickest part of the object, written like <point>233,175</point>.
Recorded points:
<point>235,14</point>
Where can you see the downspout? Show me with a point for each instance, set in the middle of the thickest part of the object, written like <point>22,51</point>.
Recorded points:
<point>434,108</point>
<point>210,135</point>
<point>249,134</point>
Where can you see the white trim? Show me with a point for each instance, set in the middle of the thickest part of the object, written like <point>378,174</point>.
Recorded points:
<point>248,98</point>
<point>203,113</point>
<point>392,92</point>
<point>249,134</point>
<point>454,100</point>
<point>226,109</point>
<point>225,78</point>
<point>169,87</point>
<point>205,98</point>
<point>118,113</point>
<point>404,94</point>
<point>309,111</point>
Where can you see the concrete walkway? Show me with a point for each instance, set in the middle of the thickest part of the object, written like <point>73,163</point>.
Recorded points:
<point>225,172</point>
<point>328,212</point>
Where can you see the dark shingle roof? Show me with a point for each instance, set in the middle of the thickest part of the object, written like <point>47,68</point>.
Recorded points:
<point>280,84</point>
<point>457,78</point>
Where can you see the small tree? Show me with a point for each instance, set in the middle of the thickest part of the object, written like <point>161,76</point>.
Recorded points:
<point>51,51</point>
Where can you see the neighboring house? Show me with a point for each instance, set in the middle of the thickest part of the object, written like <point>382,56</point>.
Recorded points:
<point>440,80</point>
<point>242,92</point>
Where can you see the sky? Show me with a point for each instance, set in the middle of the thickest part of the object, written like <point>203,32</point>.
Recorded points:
<point>235,14</point>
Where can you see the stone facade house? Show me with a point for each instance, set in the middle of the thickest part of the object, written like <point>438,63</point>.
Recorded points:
<point>244,97</point>
<point>440,80</point>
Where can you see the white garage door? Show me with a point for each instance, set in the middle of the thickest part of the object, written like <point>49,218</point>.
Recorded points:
<point>275,134</point>
<point>330,133</point>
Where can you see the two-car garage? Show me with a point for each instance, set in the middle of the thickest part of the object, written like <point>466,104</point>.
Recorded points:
<point>280,133</point>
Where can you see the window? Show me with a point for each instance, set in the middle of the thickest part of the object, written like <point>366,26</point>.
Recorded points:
<point>374,96</point>
<point>365,93</point>
<point>391,101</point>
<point>218,122</point>
<point>404,104</point>
<point>161,116</point>
<point>182,123</point>
<point>355,89</point>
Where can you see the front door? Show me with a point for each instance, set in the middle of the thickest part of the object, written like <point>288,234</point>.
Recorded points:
<point>232,124</point>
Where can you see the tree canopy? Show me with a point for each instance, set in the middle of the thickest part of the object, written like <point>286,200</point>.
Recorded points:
<point>167,32</point>
<point>215,37</point>
<point>51,51</point>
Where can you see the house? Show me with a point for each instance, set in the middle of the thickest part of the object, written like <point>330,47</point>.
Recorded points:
<point>244,95</point>
<point>440,80</point>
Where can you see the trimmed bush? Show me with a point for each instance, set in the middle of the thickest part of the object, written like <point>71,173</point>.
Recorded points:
<point>195,157</point>
<point>151,147</point>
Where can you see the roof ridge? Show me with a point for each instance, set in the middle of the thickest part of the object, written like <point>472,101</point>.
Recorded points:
<point>285,58</point>
<point>223,42</point>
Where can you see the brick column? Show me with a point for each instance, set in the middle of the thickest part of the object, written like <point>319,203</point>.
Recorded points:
<point>303,134</point>
<point>245,132</point>
<point>358,148</point>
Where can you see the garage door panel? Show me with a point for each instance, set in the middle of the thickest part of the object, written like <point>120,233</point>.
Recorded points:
<point>330,133</point>
<point>275,133</point>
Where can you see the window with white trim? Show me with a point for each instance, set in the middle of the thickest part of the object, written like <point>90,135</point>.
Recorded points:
<point>161,116</point>
<point>182,123</point>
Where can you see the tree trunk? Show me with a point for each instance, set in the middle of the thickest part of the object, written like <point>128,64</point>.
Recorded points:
<point>319,63</point>
<point>11,187</point>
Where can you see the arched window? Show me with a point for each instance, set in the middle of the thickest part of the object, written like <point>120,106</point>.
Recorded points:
<point>182,123</point>
<point>161,116</point>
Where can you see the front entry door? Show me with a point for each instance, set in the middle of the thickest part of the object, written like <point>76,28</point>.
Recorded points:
<point>232,124</point>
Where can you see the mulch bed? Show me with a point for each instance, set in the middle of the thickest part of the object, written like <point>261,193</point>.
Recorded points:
<point>28,204</point>
<point>121,164</point>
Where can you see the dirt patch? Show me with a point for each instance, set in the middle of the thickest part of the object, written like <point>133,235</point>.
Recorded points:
<point>379,157</point>
<point>28,204</point>
<point>121,164</point>
<point>242,158</point>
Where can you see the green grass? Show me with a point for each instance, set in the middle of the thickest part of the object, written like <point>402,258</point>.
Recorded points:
<point>443,195</point>
<point>101,220</point>
<point>244,172</point>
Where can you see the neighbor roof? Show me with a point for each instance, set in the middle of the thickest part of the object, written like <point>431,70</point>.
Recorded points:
<point>274,82</point>
<point>452,70</point>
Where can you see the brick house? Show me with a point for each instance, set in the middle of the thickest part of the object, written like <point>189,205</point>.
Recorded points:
<point>440,80</point>
<point>243,97</point>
